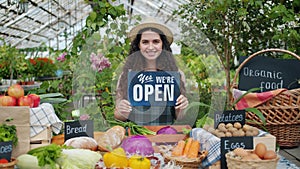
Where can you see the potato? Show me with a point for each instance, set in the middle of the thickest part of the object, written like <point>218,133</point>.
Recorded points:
<point>228,134</point>
<point>228,125</point>
<point>235,133</point>
<point>255,131</point>
<point>220,134</point>
<point>249,133</point>
<point>247,127</point>
<point>222,128</point>
<point>241,133</point>
<point>232,129</point>
<point>221,125</point>
<point>237,125</point>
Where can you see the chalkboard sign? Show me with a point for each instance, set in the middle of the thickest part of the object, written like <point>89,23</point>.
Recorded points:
<point>153,88</point>
<point>231,143</point>
<point>6,150</point>
<point>79,128</point>
<point>269,74</point>
<point>229,116</point>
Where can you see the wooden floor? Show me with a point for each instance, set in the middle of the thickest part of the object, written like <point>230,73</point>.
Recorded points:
<point>291,154</point>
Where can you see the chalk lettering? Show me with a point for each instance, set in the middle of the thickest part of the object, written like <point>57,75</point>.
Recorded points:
<point>228,118</point>
<point>262,73</point>
<point>270,85</point>
<point>5,149</point>
<point>81,129</point>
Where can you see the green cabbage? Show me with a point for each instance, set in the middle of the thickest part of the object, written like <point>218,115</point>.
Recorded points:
<point>78,159</point>
<point>27,161</point>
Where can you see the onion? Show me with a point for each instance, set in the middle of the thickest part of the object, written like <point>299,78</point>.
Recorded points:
<point>137,144</point>
<point>167,130</point>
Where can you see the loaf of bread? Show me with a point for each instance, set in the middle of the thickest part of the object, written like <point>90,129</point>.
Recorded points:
<point>112,138</point>
<point>83,142</point>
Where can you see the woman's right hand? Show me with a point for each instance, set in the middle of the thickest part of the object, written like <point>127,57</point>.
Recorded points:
<point>124,108</point>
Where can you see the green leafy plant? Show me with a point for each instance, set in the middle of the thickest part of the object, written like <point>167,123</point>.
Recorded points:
<point>8,133</point>
<point>12,61</point>
<point>240,28</point>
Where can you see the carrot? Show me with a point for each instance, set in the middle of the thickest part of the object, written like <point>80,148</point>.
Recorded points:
<point>187,146</point>
<point>193,151</point>
<point>178,149</point>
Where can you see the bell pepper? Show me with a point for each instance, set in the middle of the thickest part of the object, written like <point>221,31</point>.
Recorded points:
<point>116,158</point>
<point>139,162</point>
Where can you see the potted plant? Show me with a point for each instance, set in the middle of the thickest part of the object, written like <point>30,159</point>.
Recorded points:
<point>11,62</point>
<point>8,139</point>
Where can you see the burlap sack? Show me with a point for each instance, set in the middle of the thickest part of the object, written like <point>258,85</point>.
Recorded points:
<point>21,119</point>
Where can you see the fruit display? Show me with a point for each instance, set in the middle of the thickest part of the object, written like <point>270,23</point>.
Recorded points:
<point>236,130</point>
<point>16,97</point>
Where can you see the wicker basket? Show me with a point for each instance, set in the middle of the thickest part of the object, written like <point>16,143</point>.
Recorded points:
<point>233,163</point>
<point>10,165</point>
<point>282,112</point>
<point>184,162</point>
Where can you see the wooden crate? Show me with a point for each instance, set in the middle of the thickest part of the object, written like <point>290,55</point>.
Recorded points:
<point>269,140</point>
<point>162,139</point>
<point>21,119</point>
<point>41,139</point>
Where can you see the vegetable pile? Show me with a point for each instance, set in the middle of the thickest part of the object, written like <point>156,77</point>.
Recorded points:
<point>188,148</point>
<point>117,158</point>
<point>58,157</point>
<point>133,128</point>
<point>8,133</point>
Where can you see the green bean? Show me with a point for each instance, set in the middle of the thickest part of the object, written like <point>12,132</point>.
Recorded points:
<point>135,129</point>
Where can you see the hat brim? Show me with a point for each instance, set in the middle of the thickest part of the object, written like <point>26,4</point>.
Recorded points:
<point>167,32</point>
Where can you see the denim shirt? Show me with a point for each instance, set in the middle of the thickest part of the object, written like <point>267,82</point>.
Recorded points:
<point>154,115</point>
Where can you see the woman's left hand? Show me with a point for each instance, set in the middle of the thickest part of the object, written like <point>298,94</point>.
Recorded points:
<point>182,102</point>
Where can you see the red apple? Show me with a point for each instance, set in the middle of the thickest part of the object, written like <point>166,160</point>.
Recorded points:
<point>8,101</point>
<point>15,91</point>
<point>25,101</point>
<point>36,99</point>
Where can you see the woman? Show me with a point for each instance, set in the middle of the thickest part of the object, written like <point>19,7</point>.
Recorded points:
<point>150,51</point>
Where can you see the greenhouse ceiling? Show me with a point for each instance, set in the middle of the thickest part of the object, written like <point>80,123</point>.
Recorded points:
<point>54,23</point>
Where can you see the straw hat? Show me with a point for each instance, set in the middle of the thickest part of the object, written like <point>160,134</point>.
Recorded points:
<point>151,22</point>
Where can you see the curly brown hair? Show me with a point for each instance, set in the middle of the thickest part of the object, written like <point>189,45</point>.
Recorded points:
<point>136,62</point>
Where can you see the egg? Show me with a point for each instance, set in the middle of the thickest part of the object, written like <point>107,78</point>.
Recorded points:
<point>260,150</point>
<point>254,156</point>
<point>269,155</point>
<point>240,152</point>
<point>247,158</point>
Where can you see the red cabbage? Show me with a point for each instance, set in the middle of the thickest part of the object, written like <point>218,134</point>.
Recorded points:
<point>137,144</point>
<point>167,130</point>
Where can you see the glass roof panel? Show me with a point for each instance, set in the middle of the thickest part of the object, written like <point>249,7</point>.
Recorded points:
<point>46,21</point>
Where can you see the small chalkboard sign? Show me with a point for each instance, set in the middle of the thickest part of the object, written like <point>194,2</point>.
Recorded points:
<point>6,150</point>
<point>229,116</point>
<point>231,143</point>
<point>269,74</point>
<point>79,128</point>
